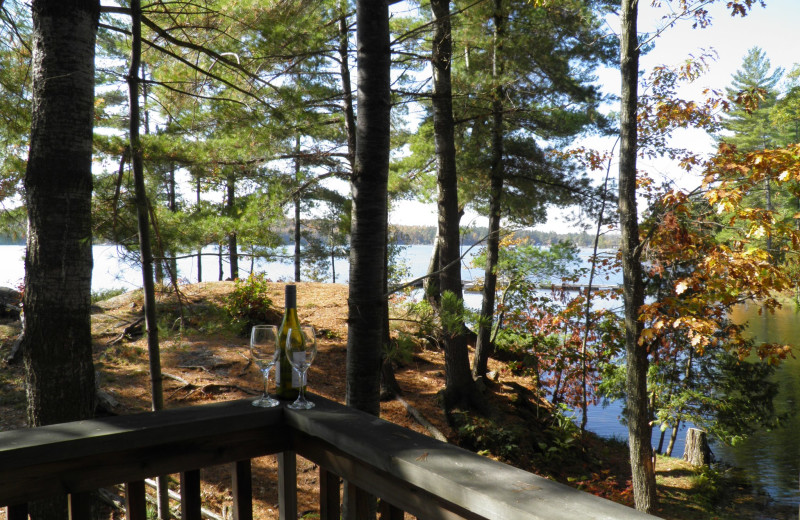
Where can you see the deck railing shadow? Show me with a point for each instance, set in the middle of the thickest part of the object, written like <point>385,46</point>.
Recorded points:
<point>408,471</point>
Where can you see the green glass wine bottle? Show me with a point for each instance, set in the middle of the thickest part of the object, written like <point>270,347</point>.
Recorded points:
<point>287,379</point>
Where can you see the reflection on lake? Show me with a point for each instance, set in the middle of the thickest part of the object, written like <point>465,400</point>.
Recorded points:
<point>772,458</point>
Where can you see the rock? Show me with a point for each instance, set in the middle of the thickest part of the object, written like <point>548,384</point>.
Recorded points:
<point>10,303</point>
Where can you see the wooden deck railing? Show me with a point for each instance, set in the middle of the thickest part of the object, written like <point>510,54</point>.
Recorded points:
<point>409,472</point>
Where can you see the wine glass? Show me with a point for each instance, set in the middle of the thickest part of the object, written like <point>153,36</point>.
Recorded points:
<point>264,353</point>
<point>301,348</point>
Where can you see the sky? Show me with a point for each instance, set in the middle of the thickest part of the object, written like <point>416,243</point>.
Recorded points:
<point>774,29</point>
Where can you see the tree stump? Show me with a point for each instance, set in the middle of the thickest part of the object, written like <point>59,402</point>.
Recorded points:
<point>697,452</point>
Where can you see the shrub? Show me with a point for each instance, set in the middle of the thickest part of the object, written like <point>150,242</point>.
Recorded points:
<point>248,303</point>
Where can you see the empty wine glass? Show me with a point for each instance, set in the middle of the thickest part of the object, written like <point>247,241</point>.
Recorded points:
<point>301,348</point>
<point>264,353</point>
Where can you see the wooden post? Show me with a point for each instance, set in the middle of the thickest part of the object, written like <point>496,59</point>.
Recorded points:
<point>79,505</point>
<point>135,502</point>
<point>697,451</point>
<point>287,485</point>
<point>359,504</point>
<point>389,512</point>
<point>190,495</point>
<point>242,489</point>
<point>329,495</point>
<point>17,512</point>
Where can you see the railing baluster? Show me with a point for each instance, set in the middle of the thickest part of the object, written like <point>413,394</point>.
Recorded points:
<point>390,512</point>
<point>287,485</point>
<point>17,512</point>
<point>190,495</point>
<point>359,502</point>
<point>135,501</point>
<point>242,489</point>
<point>79,506</point>
<point>329,495</point>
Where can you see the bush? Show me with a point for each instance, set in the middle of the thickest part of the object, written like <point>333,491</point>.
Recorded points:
<point>248,303</point>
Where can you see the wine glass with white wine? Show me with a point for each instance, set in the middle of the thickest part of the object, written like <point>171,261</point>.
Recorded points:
<point>301,349</point>
<point>264,353</point>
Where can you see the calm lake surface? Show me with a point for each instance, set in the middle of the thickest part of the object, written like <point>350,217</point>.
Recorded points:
<point>771,458</point>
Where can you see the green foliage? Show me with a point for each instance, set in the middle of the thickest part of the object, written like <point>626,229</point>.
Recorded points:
<point>401,350</point>
<point>710,486</point>
<point>248,303</point>
<point>106,294</point>
<point>564,435</point>
<point>452,314</point>
<point>484,436</point>
<point>424,317</point>
<point>15,99</point>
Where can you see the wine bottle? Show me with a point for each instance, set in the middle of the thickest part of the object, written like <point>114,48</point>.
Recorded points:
<point>287,379</point>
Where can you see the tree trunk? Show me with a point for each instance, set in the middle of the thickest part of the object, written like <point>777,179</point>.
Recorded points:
<point>430,285</point>
<point>173,207</point>
<point>143,212</point>
<point>297,238</point>
<point>768,190</point>
<point>347,88</point>
<point>367,301</point>
<point>233,246</point>
<point>639,429</point>
<point>57,341</point>
<point>219,262</point>
<point>200,251</point>
<point>672,438</point>
<point>484,347</point>
<point>389,386</point>
<point>459,385</point>
<point>297,212</point>
<point>588,308</point>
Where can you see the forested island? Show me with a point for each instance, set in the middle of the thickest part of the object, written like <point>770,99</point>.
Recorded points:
<point>426,235</point>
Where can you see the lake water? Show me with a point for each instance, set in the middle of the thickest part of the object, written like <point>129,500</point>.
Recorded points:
<point>771,458</point>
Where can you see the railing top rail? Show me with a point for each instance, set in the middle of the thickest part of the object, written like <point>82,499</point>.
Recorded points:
<point>84,455</point>
<point>413,472</point>
<point>468,484</point>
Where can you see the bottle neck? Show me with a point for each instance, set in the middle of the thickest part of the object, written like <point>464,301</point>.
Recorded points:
<point>291,297</point>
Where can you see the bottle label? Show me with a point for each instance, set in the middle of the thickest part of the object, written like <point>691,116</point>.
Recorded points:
<point>295,376</point>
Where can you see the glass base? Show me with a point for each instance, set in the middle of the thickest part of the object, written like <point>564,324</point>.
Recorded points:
<point>301,405</point>
<point>266,402</point>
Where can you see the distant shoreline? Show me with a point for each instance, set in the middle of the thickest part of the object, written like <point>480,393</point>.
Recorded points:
<point>426,235</point>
